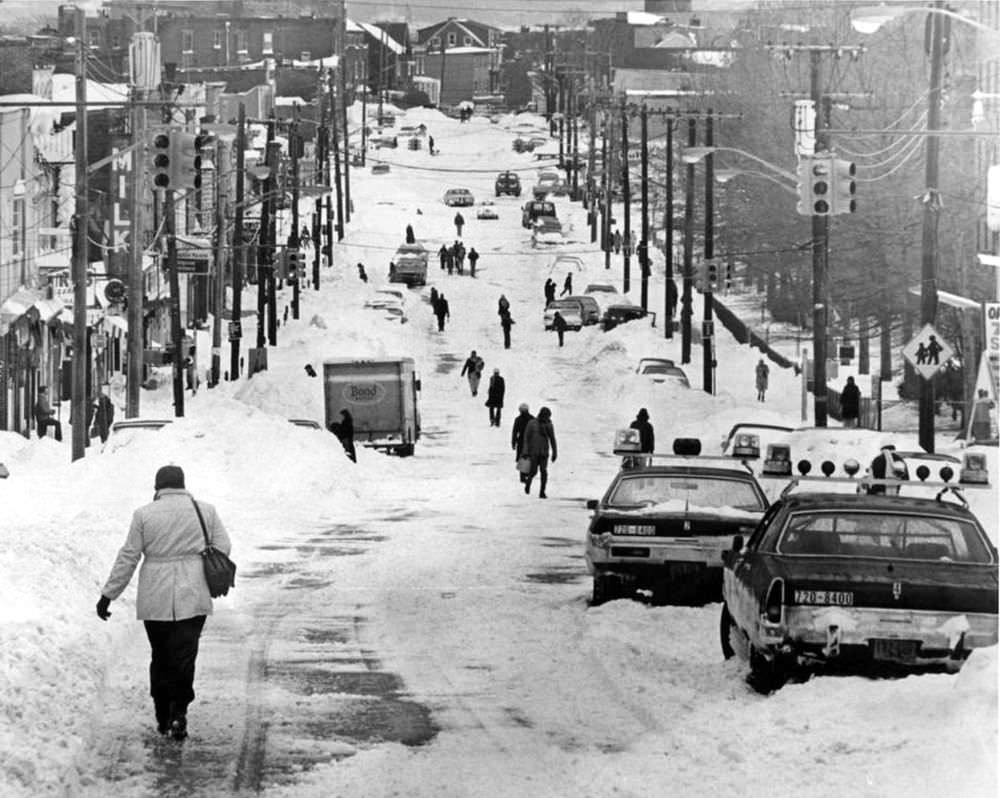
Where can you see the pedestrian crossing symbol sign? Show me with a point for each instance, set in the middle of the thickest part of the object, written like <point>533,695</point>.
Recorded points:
<point>927,352</point>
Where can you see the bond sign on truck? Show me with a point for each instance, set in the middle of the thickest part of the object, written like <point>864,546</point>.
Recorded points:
<point>381,396</point>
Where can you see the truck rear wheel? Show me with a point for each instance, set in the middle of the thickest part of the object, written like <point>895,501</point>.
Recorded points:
<point>606,588</point>
<point>406,450</point>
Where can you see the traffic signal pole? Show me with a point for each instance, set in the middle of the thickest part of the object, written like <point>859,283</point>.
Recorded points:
<point>81,363</point>
<point>236,325</point>
<point>820,249</point>
<point>707,331</point>
<point>686,311</point>
<point>176,330</point>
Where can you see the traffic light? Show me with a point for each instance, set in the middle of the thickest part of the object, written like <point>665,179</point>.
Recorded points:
<point>295,265</point>
<point>711,275</point>
<point>185,160</point>
<point>814,175</point>
<point>160,160</point>
<point>843,186</point>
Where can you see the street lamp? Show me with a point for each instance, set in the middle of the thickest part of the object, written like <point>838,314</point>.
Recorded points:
<point>724,176</point>
<point>696,154</point>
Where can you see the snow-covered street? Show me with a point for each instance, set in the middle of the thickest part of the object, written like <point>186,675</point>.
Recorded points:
<point>419,626</point>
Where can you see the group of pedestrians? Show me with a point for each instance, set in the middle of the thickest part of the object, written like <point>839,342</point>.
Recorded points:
<point>453,258</point>
<point>533,440</point>
<point>100,415</point>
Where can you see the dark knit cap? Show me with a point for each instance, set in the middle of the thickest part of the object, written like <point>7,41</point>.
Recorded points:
<point>170,476</point>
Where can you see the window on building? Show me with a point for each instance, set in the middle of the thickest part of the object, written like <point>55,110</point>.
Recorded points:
<point>94,38</point>
<point>452,39</point>
<point>241,41</point>
<point>17,231</point>
<point>268,48</point>
<point>218,37</point>
<point>435,43</point>
<point>306,55</point>
<point>187,41</point>
<point>116,41</point>
<point>467,41</point>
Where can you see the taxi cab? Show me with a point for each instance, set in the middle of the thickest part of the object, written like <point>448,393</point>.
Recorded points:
<point>665,521</point>
<point>861,581</point>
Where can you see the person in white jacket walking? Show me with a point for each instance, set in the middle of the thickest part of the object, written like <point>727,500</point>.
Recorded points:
<point>172,598</point>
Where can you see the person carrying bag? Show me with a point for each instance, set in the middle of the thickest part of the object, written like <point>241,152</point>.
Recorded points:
<point>179,550</point>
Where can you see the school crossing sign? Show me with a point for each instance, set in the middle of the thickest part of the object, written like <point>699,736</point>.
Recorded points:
<point>927,352</point>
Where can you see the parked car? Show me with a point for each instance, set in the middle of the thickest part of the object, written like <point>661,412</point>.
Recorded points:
<point>380,169</point>
<point>622,314</point>
<point>662,373</point>
<point>535,209</point>
<point>459,197</point>
<point>508,183</point>
<point>570,309</point>
<point>308,423</point>
<point>487,212</point>
<point>566,263</point>
<point>855,582</point>
<point>409,265</point>
<point>600,288</point>
<point>546,231</point>
<point>665,521</point>
<point>591,309</point>
<point>522,145</point>
<point>378,142</point>
<point>390,302</point>
<point>548,183</point>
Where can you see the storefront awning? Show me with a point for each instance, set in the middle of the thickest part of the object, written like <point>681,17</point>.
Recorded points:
<point>15,306</point>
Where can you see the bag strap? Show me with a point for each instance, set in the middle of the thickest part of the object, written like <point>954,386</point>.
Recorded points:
<point>201,520</point>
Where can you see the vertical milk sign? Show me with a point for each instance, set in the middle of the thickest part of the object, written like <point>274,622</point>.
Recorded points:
<point>991,316</point>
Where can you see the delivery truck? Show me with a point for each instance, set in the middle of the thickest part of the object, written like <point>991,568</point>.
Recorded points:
<point>381,395</point>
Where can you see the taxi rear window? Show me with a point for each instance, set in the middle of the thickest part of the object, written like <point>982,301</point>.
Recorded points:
<point>892,535</point>
<point>697,489</point>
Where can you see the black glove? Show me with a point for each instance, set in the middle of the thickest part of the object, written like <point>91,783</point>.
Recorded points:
<point>102,608</point>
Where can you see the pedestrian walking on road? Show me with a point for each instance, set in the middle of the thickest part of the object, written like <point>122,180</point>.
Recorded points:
<point>850,403</point>
<point>567,284</point>
<point>410,238</point>
<point>458,252</point>
<point>172,600</point>
<point>305,240</point>
<point>434,297</point>
<point>430,145</point>
<point>559,325</point>
<point>617,240</point>
<point>441,311</point>
<point>494,397</point>
<point>761,373</point>
<point>517,435</point>
<point>506,322</point>
<point>344,430</point>
<point>503,305</point>
<point>647,440</point>
<point>443,256</point>
<point>550,291</point>
<point>362,274</point>
<point>104,415</point>
<point>473,367</point>
<point>459,223</point>
<point>473,258</point>
<point>539,441</point>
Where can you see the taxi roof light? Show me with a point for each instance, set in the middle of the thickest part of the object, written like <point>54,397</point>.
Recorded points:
<point>779,460</point>
<point>923,472</point>
<point>687,446</point>
<point>974,469</point>
<point>827,467</point>
<point>851,467</point>
<point>947,473</point>
<point>804,467</point>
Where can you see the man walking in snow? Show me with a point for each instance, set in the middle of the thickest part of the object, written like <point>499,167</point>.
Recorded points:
<point>559,325</point>
<point>473,367</point>
<point>539,441</point>
<point>459,222</point>
<point>505,324</point>
<point>494,397</point>
<point>443,256</point>
<point>473,257</point>
<point>761,373</point>
<point>441,311</point>
<point>567,284</point>
<point>550,291</point>
<point>517,434</point>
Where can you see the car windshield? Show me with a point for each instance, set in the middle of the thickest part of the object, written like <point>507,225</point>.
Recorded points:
<point>681,492</point>
<point>883,534</point>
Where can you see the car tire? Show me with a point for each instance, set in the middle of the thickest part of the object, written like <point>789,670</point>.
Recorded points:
<point>765,675</point>
<point>726,629</point>
<point>606,588</point>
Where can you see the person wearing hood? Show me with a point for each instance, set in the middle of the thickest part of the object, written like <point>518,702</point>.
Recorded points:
<point>539,442</point>
<point>646,437</point>
<point>517,433</point>
<point>494,397</point>
<point>344,430</point>
<point>172,599</point>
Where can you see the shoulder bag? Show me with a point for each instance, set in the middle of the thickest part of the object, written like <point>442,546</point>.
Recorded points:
<point>220,571</point>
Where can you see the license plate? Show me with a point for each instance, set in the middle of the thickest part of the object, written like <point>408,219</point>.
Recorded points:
<point>838,598</point>
<point>895,650</point>
<point>635,529</point>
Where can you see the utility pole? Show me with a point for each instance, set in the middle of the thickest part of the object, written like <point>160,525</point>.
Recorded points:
<point>707,331</point>
<point>670,287</point>
<point>176,330</point>
<point>686,312</point>
<point>265,248</point>
<point>294,242</point>
<point>317,239</point>
<point>136,333</point>
<point>236,325</point>
<point>606,177</point>
<point>329,229</point>
<point>81,362</point>
<point>643,253</point>
<point>626,199</point>
<point>223,158</point>
<point>342,69</point>
<point>591,161</point>
<point>273,162</point>
<point>820,249</point>
<point>932,208</point>
<point>336,161</point>
<point>575,122</point>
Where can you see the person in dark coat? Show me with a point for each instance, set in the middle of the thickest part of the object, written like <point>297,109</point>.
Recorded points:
<point>45,415</point>
<point>539,442</point>
<point>567,284</point>
<point>517,434</point>
<point>559,325</point>
<point>550,291</point>
<point>503,305</point>
<point>647,441</point>
<point>172,599</point>
<point>473,258</point>
<point>459,223</point>
<point>434,298</point>
<point>410,238</point>
<point>494,397</point>
<point>850,403</point>
<point>616,239</point>
<point>442,311</point>
<point>760,379</point>
<point>443,256</point>
<point>474,366</point>
<point>505,324</point>
<point>887,465</point>
<point>344,430</point>
<point>104,414</point>
<point>671,298</point>
<point>362,274</point>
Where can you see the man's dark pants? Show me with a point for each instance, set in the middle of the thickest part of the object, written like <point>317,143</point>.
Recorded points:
<point>171,669</point>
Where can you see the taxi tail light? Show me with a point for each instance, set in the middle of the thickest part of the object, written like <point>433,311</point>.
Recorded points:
<point>774,601</point>
<point>974,470</point>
